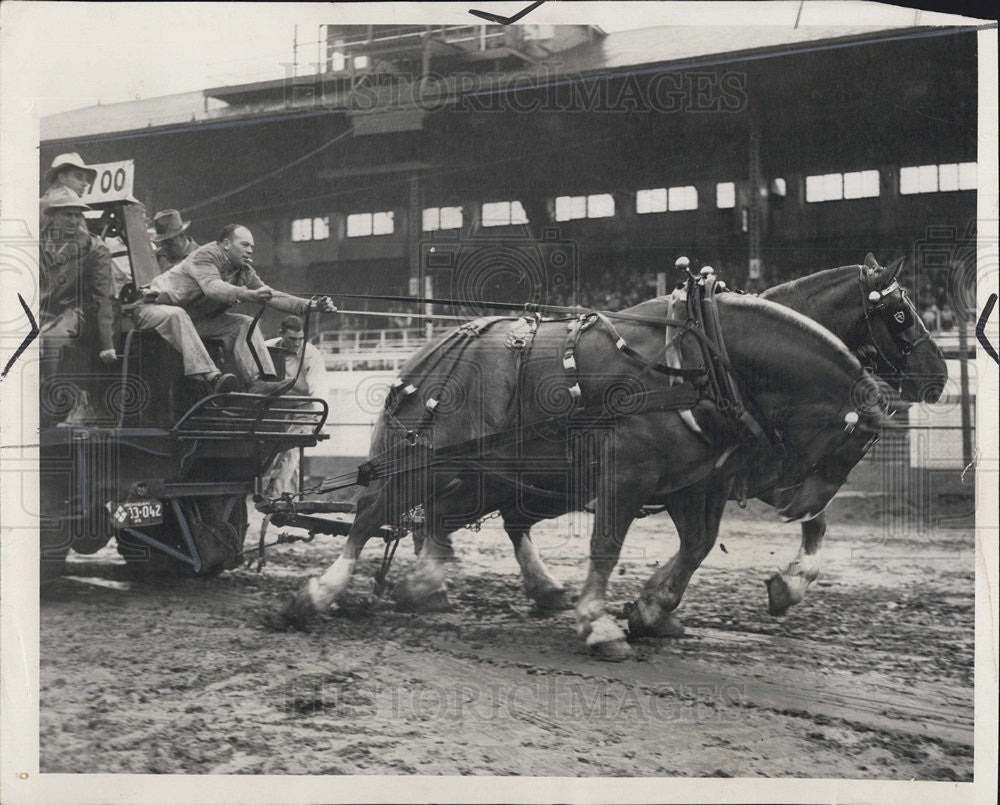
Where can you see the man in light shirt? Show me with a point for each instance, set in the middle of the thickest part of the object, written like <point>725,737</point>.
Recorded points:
<point>283,476</point>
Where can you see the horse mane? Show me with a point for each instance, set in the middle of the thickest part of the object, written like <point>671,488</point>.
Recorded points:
<point>791,318</point>
<point>802,324</point>
<point>818,278</point>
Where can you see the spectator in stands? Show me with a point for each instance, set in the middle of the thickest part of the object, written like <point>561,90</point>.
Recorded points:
<point>75,312</point>
<point>191,301</point>
<point>283,475</point>
<point>931,316</point>
<point>174,244</point>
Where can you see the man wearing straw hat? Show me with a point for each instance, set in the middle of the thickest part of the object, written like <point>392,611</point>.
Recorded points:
<point>69,171</point>
<point>174,244</point>
<point>76,314</point>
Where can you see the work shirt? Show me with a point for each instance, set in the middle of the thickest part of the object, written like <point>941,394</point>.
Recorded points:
<point>311,380</point>
<point>206,283</point>
<point>166,262</point>
<point>76,273</point>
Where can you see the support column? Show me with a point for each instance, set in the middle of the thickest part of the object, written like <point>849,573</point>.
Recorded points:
<point>414,222</point>
<point>755,261</point>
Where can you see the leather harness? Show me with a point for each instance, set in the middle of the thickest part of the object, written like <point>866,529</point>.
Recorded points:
<point>712,381</point>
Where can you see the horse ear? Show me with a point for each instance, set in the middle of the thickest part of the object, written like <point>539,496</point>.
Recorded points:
<point>895,267</point>
<point>871,263</point>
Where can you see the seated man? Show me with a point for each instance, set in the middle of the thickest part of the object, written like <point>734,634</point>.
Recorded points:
<point>310,381</point>
<point>76,313</point>
<point>191,301</point>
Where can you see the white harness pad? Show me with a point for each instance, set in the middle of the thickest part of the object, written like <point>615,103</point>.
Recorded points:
<point>677,309</point>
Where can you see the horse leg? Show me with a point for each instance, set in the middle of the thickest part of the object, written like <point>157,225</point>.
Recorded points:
<point>539,584</point>
<point>788,587</point>
<point>697,512</point>
<point>320,592</point>
<point>425,587</point>
<point>614,514</point>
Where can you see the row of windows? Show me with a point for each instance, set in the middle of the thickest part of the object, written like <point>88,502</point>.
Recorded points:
<point>837,186</point>
<point>821,187</point>
<point>912,179</point>
<point>938,178</point>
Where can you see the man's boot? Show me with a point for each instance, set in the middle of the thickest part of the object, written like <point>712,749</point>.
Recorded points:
<point>83,413</point>
<point>269,387</point>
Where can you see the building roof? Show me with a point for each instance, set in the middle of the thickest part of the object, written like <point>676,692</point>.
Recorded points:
<point>164,110</point>
<point>615,51</point>
<point>673,43</point>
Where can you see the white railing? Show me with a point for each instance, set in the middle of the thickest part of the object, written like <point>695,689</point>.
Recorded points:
<point>367,350</point>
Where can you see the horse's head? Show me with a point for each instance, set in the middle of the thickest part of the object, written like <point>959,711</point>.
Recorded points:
<point>824,442</point>
<point>898,347</point>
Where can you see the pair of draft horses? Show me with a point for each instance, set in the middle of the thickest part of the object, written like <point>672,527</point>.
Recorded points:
<point>474,428</point>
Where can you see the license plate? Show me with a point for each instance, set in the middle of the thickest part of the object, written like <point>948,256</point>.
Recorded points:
<point>136,512</point>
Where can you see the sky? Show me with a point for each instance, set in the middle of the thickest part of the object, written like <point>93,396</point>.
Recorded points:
<point>85,53</point>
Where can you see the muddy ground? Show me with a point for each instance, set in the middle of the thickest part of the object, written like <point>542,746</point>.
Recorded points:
<point>870,677</point>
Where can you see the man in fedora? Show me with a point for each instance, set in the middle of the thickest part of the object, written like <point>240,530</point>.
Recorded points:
<point>76,317</point>
<point>191,301</point>
<point>170,234</point>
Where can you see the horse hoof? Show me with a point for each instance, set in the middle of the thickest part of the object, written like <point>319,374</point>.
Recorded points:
<point>780,595</point>
<point>664,626</point>
<point>612,650</point>
<point>297,614</point>
<point>409,599</point>
<point>552,601</point>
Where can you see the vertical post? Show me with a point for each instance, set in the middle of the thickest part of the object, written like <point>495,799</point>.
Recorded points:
<point>415,221</point>
<point>429,308</point>
<point>425,61</point>
<point>320,61</point>
<point>966,403</point>
<point>754,261</point>
<point>295,52</point>
<point>302,470</point>
<point>661,283</point>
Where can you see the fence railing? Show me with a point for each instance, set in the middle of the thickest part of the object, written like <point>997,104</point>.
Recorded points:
<point>366,350</point>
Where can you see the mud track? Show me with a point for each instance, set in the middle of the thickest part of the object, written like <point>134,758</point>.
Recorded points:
<point>870,677</point>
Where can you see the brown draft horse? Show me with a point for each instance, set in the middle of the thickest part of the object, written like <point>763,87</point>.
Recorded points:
<point>805,388</point>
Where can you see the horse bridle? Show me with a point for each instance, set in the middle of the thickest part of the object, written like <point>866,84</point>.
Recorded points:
<point>852,422</point>
<point>896,322</point>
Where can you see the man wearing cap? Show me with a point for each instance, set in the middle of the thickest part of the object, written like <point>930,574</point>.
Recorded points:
<point>191,301</point>
<point>310,381</point>
<point>172,239</point>
<point>75,284</point>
